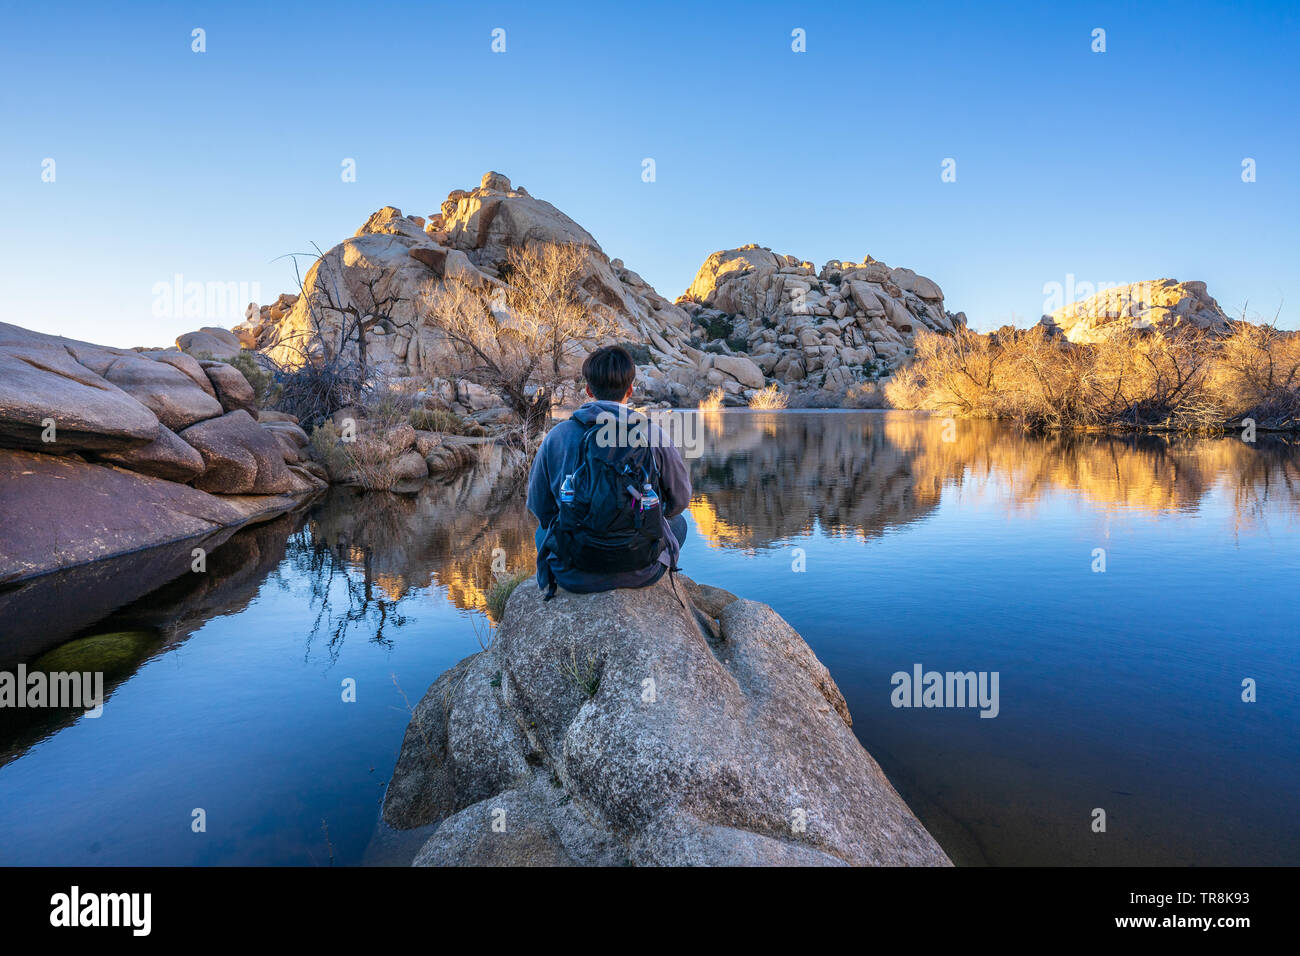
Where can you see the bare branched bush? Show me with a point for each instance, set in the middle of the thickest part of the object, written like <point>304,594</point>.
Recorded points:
<point>1257,375</point>
<point>1146,380</point>
<point>520,338</point>
<point>318,388</point>
<point>769,398</point>
<point>712,402</point>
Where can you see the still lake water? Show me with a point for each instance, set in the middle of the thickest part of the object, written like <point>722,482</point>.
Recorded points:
<point>1119,690</point>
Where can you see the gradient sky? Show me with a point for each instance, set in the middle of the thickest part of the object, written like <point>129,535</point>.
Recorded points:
<point>1112,167</point>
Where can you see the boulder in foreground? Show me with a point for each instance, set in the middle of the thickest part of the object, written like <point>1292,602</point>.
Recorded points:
<point>631,727</point>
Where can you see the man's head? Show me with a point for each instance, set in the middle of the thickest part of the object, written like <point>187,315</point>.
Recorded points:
<point>609,373</point>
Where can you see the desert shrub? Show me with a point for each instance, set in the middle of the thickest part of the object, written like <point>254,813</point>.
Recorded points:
<point>315,391</point>
<point>712,401</point>
<point>328,449</point>
<point>260,375</point>
<point>364,455</point>
<point>1139,379</point>
<point>863,395</point>
<point>716,326</point>
<point>769,398</point>
<point>437,420</point>
<point>639,351</point>
<point>1257,375</point>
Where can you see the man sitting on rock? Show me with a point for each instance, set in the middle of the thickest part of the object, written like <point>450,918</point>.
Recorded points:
<point>608,489</point>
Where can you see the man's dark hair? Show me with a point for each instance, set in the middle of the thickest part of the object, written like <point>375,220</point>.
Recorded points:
<point>609,373</point>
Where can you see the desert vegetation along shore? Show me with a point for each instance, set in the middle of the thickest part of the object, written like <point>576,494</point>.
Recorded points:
<point>1135,378</point>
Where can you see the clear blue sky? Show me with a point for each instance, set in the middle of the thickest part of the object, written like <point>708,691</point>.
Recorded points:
<point>1113,167</point>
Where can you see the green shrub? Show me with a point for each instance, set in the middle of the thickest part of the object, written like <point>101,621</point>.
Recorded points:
<point>437,420</point>
<point>717,326</point>
<point>328,450</point>
<point>262,379</point>
<point>500,593</point>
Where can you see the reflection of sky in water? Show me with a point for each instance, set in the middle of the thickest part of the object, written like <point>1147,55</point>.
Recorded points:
<point>1118,690</point>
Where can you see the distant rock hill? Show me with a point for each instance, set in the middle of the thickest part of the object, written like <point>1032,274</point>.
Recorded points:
<point>750,316</point>
<point>1162,304</point>
<point>814,328</point>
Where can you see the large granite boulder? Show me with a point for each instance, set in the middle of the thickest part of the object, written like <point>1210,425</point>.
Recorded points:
<point>675,726</point>
<point>240,456</point>
<point>167,391</point>
<point>232,388</point>
<point>167,456</point>
<point>210,342</point>
<point>59,512</point>
<point>41,381</point>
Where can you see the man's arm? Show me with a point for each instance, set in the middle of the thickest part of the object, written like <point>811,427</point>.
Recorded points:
<point>676,480</point>
<point>541,500</point>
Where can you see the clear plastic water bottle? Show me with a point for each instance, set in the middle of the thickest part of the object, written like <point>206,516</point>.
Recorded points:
<point>648,497</point>
<point>566,489</point>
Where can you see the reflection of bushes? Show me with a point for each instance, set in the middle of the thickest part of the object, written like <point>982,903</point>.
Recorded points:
<point>1139,379</point>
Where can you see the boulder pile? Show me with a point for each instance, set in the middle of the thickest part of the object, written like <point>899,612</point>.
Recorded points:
<point>751,317</point>
<point>408,256</point>
<point>804,327</point>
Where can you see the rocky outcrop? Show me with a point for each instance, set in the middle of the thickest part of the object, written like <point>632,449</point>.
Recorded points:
<point>750,316</point>
<point>637,727</point>
<point>408,256</point>
<point>805,327</point>
<point>1165,305</point>
<point>100,446</point>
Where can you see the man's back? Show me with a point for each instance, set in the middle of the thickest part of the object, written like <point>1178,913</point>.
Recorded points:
<point>560,456</point>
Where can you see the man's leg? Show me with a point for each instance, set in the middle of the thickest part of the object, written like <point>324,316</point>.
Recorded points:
<point>677,524</point>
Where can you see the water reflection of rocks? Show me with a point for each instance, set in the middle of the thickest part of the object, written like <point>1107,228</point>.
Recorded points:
<point>364,553</point>
<point>768,477</point>
<point>763,478</point>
